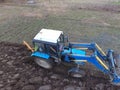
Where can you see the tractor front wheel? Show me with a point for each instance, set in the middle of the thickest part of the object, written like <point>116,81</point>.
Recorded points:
<point>47,64</point>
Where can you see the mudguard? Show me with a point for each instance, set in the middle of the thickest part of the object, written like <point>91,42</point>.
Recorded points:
<point>40,54</point>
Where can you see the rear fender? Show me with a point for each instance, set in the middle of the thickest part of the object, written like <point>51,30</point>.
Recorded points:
<point>40,54</point>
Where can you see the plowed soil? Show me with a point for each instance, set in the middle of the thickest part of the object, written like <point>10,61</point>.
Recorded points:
<point>19,72</point>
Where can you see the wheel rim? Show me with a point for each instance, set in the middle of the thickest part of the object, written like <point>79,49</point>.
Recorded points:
<point>43,63</point>
<point>77,73</point>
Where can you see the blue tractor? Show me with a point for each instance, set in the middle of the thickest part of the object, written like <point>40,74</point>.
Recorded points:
<point>51,46</point>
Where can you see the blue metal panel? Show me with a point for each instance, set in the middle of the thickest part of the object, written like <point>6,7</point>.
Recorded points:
<point>66,51</point>
<point>91,60</point>
<point>67,58</point>
<point>73,51</point>
<point>98,53</point>
<point>116,80</point>
<point>89,46</point>
<point>77,51</point>
<point>41,55</point>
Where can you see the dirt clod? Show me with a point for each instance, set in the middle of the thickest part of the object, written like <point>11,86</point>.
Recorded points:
<point>45,87</point>
<point>1,72</point>
<point>28,87</point>
<point>99,86</point>
<point>35,80</point>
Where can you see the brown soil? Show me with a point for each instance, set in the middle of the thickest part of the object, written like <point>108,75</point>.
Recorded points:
<point>19,72</point>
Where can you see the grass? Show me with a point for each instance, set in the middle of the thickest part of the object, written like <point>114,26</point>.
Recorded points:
<point>79,24</point>
<point>24,28</point>
<point>116,2</point>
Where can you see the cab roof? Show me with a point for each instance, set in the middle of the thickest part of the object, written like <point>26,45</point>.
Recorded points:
<point>48,35</point>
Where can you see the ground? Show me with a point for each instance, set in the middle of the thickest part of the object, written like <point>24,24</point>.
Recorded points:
<point>19,72</point>
<point>83,21</point>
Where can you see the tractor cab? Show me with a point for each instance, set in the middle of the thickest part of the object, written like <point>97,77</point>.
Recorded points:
<point>48,43</point>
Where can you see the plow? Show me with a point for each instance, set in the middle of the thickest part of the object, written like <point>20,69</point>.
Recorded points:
<point>53,47</point>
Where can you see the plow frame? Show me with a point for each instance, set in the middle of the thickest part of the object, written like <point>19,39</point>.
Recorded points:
<point>104,62</point>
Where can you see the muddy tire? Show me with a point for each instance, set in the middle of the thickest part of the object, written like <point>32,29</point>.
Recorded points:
<point>47,64</point>
<point>77,74</point>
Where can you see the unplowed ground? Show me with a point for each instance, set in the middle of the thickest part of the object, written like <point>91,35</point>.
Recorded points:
<point>19,72</point>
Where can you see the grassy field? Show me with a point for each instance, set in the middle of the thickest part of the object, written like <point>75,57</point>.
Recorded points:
<point>88,22</point>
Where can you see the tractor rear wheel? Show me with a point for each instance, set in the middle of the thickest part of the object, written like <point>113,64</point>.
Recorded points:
<point>47,64</point>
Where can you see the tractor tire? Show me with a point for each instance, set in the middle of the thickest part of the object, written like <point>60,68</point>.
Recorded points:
<point>47,64</point>
<point>77,74</point>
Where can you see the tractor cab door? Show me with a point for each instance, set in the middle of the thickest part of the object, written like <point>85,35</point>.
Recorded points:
<point>39,47</point>
<point>46,48</point>
<point>51,49</point>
